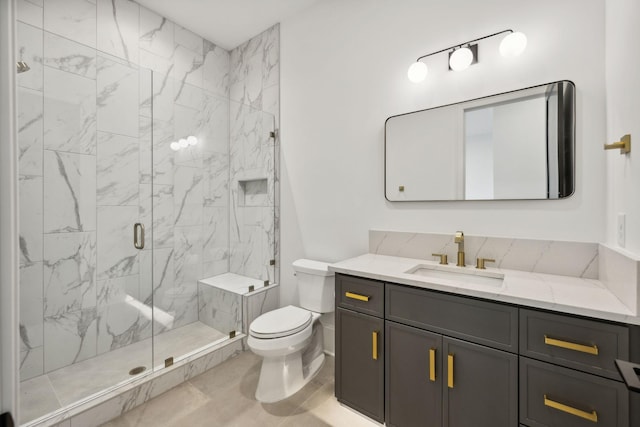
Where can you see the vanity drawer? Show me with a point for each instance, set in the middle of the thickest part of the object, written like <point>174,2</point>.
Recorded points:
<point>554,396</point>
<point>362,295</point>
<point>587,345</point>
<point>482,322</point>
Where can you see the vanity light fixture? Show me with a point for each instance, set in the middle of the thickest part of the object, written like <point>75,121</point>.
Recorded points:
<point>462,55</point>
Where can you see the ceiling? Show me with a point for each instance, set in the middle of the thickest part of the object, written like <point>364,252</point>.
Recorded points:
<point>227,23</point>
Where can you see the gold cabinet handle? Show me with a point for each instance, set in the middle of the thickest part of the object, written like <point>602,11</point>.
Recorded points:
<point>590,349</point>
<point>450,369</point>
<point>591,416</point>
<point>374,345</point>
<point>357,296</point>
<point>432,364</point>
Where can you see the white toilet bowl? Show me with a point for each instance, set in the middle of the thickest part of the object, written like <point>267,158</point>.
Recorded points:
<point>290,341</point>
<point>290,338</point>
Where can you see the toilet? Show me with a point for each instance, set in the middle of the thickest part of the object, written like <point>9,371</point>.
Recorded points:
<point>290,339</point>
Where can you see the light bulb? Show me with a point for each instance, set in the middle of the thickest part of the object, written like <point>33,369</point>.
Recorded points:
<point>192,140</point>
<point>417,72</point>
<point>461,59</point>
<point>513,44</point>
<point>174,146</point>
<point>183,143</point>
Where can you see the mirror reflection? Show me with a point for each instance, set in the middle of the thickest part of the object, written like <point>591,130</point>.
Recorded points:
<point>515,145</point>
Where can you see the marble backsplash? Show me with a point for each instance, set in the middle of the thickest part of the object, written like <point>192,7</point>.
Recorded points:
<point>577,259</point>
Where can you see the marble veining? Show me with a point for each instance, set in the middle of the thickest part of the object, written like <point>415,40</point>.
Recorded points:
<point>117,97</point>
<point>69,192</point>
<point>31,230</point>
<point>117,170</point>
<point>117,257</point>
<point>67,55</point>
<point>117,24</point>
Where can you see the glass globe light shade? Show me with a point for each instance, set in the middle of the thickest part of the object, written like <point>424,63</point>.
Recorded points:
<point>513,44</point>
<point>192,140</point>
<point>183,143</point>
<point>417,72</point>
<point>174,146</point>
<point>461,59</point>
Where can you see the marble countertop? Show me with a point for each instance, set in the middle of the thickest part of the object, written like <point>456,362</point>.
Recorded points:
<point>564,294</point>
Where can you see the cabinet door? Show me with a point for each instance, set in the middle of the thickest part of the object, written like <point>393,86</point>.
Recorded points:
<point>413,376</point>
<point>480,385</point>
<point>360,362</point>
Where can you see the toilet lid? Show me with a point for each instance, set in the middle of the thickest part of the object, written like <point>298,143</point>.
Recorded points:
<point>281,322</point>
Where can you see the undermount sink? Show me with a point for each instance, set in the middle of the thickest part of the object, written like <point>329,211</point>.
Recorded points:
<point>470,276</point>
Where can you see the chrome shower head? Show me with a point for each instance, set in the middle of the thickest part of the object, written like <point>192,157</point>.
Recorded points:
<point>22,67</point>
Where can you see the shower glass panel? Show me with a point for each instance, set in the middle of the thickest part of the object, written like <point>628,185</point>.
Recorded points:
<point>86,317</point>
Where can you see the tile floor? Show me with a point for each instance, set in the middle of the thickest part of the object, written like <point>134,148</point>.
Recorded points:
<point>47,393</point>
<point>224,396</point>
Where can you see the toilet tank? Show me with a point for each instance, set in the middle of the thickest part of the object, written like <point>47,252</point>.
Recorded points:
<point>315,285</point>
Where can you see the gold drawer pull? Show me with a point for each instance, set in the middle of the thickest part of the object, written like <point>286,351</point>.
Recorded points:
<point>374,345</point>
<point>432,364</point>
<point>450,369</point>
<point>591,416</point>
<point>591,349</point>
<point>357,296</point>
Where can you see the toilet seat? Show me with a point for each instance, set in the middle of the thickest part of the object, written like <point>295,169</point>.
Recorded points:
<point>280,323</point>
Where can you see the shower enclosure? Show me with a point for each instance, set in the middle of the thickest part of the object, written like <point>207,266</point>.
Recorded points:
<point>147,181</point>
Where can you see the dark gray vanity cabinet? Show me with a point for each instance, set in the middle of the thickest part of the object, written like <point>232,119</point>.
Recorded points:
<point>413,376</point>
<point>360,345</point>
<point>433,379</point>
<point>455,361</point>
<point>567,371</point>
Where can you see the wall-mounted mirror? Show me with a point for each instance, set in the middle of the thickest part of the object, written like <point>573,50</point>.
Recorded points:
<point>514,145</point>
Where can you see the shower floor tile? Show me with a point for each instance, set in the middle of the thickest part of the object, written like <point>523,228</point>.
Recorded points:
<point>64,386</point>
<point>224,396</point>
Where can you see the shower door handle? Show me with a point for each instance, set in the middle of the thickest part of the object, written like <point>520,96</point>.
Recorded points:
<point>138,235</point>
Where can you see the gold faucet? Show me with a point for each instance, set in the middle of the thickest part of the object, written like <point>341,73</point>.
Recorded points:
<point>459,239</point>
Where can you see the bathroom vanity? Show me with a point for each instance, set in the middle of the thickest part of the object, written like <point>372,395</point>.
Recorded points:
<point>447,350</point>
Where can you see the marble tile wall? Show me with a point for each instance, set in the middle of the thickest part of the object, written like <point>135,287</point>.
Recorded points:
<point>254,88</point>
<point>540,256</point>
<point>259,302</point>
<point>220,308</point>
<point>94,160</point>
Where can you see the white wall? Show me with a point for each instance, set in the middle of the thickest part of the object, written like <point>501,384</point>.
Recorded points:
<point>623,116</point>
<point>343,73</point>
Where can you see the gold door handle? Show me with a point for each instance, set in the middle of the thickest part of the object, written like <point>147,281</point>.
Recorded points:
<point>590,349</point>
<point>591,416</point>
<point>450,369</point>
<point>359,297</point>
<point>374,345</point>
<point>432,364</point>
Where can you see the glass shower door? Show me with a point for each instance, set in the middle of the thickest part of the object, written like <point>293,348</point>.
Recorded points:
<point>86,303</point>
